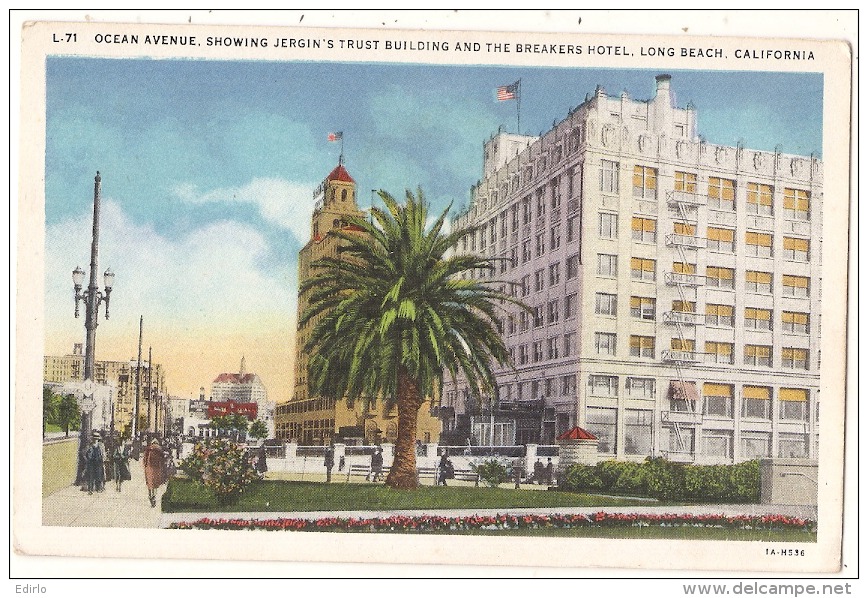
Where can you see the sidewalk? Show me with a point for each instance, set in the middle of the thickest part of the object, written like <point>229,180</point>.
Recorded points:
<point>70,507</point>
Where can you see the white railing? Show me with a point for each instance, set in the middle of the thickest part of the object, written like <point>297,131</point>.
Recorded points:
<point>675,239</point>
<point>684,197</point>
<point>673,356</point>
<point>688,280</point>
<point>681,317</point>
<point>692,418</point>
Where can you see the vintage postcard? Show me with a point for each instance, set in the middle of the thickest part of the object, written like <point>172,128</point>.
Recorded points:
<point>343,292</point>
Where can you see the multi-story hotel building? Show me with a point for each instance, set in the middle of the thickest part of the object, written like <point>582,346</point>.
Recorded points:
<point>309,419</point>
<point>675,287</point>
<point>120,375</point>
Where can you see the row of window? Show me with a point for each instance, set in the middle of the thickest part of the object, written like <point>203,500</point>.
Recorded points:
<point>645,308</point>
<point>718,239</point>
<point>533,390</point>
<point>683,349</point>
<point>554,347</point>
<point>715,276</point>
<point>721,192</point>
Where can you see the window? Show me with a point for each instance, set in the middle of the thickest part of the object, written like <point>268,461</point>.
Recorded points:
<point>492,231</point>
<point>537,351</point>
<point>554,347</point>
<point>641,346</point>
<point>555,237</point>
<point>645,182</point>
<point>554,311</point>
<point>538,316</point>
<point>721,193</point>
<point>684,229</point>
<point>644,230</point>
<point>572,228</point>
<point>540,244</point>
<point>683,268</point>
<point>523,321</point>
<point>717,443</point>
<point>758,244</point>
<point>643,308</point>
<point>525,251</point>
<point>796,286</point>
<point>687,307</point>
<point>638,431</point>
<point>607,265</point>
<point>758,355</point>
<point>756,445</point>
<point>573,267</point>
<point>525,210</point>
<point>795,322</point>
<point>607,304</point>
<point>608,225</point>
<point>759,199</point>
<point>797,204</point>
<point>794,359</point>
<point>641,388</point>
<point>569,344</point>
<point>554,274</point>
<point>525,285</point>
<point>568,385</point>
<point>685,181</point>
<point>792,445</point>
<point>556,196</point>
<point>796,250</point>
<point>686,345</point>
<point>604,343</point>
<point>570,306</point>
<point>756,402</point>
<point>609,177</point>
<point>482,238</point>
<point>793,404</point>
<point>540,204</point>
<point>642,269</point>
<point>539,280</point>
<point>758,282</point>
<point>718,352</point>
<point>511,324</point>
<point>757,319</point>
<point>503,224</point>
<point>682,440</point>
<point>602,423</point>
<point>721,239</point>
<point>522,355</point>
<point>514,218</point>
<point>513,257</point>
<point>722,278</point>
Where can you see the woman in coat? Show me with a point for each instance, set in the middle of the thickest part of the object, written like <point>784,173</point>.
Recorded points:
<point>121,464</point>
<point>154,462</point>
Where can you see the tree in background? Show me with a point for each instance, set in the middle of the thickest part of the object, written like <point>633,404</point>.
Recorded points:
<point>234,423</point>
<point>68,413</point>
<point>50,404</point>
<point>258,429</point>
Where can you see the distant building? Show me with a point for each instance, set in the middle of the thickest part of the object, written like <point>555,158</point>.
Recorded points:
<point>239,393</point>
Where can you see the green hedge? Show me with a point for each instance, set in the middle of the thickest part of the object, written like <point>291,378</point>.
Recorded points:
<point>666,480</point>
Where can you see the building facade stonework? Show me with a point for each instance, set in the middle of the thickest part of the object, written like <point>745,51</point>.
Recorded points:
<point>674,283</point>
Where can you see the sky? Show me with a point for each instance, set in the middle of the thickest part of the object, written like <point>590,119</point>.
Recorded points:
<point>208,169</point>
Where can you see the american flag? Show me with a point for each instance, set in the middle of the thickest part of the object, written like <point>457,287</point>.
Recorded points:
<point>507,92</point>
<point>337,136</point>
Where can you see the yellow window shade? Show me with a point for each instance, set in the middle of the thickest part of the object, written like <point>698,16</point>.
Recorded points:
<point>756,392</point>
<point>796,199</point>
<point>684,306</point>
<point>683,344</point>
<point>796,244</point>
<point>760,277</point>
<point>685,181</point>
<point>793,394</point>
<point>754,313</point>
<point>716,390</point>
<point>794,354</point>
<point>684,268</point>
<point>794,317</point>
<point>795,281</point>
<point>644,224</point>
<point>721,234</point>
<point>759,194</point>
<point>713,309</point>
<point>685,229</point>
<point>762,239</point>
<point>642,342</point>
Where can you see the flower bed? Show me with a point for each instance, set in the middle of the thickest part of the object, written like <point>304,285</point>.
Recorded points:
<point>429,523</point>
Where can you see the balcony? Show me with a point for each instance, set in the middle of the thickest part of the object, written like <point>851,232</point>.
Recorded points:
<point>683,317</point>
<point>673,356</point>
<point>686,280</point>
<point>689,199</point>
<point>688,418</point>
<point>676,240</point>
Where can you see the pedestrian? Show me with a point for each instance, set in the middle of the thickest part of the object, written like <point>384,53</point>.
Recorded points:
<point>443,467</point>
<point>111,442</point>
<point>94,459</point>
<point>261,460</point>
<point>550,470</point>
<point>329,461</point>
<point>154,462</point>
<point>341,463</point>
<point>538,471</point>
<point>377,465</point>
<point>121,465</point>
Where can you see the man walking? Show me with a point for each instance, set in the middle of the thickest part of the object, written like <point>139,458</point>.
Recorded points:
<point>329,461</point>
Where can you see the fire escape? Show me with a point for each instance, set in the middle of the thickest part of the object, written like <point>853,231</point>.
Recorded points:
<point>682,417</point>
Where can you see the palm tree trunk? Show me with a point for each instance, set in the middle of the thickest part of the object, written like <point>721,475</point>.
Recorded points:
<point>403,471</point>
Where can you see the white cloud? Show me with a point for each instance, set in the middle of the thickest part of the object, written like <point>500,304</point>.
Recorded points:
<point>281,202</point>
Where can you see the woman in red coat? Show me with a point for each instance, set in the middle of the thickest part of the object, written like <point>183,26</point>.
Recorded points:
<point>154,462</point>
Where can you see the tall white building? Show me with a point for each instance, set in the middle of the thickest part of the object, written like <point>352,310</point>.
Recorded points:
<point>675,287</point>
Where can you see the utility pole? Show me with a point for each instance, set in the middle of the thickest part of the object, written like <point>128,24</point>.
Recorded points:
<point>150,391</point>
<point>138,382</point>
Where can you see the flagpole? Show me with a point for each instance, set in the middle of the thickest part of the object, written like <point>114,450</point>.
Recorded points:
<point>518,104</point>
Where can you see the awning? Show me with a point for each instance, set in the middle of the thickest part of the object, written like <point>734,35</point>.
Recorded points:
<point>577,433</point>
<point>683,391</point>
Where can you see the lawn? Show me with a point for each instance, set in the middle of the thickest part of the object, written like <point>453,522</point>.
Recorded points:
<point>184,496</point>
<point>58,465</point>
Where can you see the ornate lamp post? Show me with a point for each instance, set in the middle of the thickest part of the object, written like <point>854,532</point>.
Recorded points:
<point>91,297</point>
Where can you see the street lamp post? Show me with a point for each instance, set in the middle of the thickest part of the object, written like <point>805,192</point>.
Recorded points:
<point>91,298</point>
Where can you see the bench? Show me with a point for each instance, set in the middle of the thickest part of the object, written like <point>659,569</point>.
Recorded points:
<point>464,475</point>
<point>361,469</point>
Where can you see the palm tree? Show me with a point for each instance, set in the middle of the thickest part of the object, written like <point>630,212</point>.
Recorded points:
<point>393,315</point>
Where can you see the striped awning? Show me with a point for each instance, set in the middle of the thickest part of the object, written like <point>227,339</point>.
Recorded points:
<point>683,391</point>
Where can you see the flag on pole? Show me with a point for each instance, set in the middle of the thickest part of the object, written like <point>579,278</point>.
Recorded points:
<point>507,92</point>
<point>337,136</point>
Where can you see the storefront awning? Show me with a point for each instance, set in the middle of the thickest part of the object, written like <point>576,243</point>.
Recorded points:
<point>683,391</point>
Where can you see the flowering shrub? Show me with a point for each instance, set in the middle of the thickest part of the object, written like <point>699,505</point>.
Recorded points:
<point>222,466</point>
<point>492,472</point>
<point>429,523</point>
